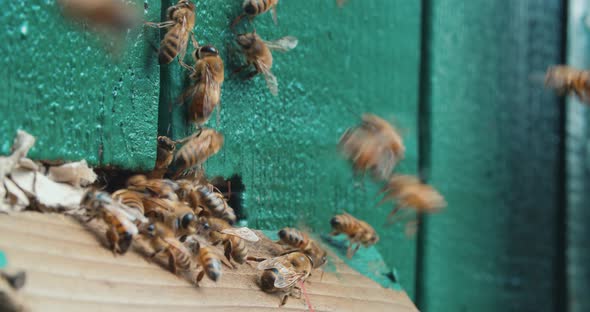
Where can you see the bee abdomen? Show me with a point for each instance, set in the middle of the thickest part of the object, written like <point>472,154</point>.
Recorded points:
<point>125,239</point>
<point>212,265</point>
<point>292,237</point>
<point>168,48</point>
<point>239,249</point>
<point>255,7</point>
<point>183,261</point>
<point>267,280</point>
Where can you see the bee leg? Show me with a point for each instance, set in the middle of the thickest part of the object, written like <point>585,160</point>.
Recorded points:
<point>257,259</point>
<point>298,295</point>
<point>284,300</point>
<point>236,21</point>
<point>200,276</point>
<point>172,263</point>
<point>227,252</point>
<point>239,69</point>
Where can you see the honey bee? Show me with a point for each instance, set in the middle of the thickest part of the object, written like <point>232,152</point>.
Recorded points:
<point>220,231</point>
<point>130,199</point>
<point>180,24</point>
<point>164,157</point>
<point>179,257</point>
<point>109,14</point>
<point>121,228</point>
<point>187,193</point>
<point>253,8</point>
<point>216,204</point>
<point>569,80</point>
<point>208,259</point>
<point>162,188</point>
<point>410,192</point>
<point>359,232</point>
<point>374,146</point>
<point>258,53</point>
<point>280,274</point>
<point>208,76</point>
<point>197,149</point>
<point>179,217</point>
<point>297,239</point>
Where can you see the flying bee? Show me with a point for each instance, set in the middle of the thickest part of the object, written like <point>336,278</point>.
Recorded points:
<point>162,188</point>
<point>258,54</point>
<point>253,8</point>
<point>374,146</point>
<point>216,204</point>
<point>208,76</point>
<point>220,231</point>
<point>112,15</point>
<point>569,80</point>
<point>179,257</point>
<point>121,228</point>
<point>164,157</point>
<point>297,239</point>
<point>197,149</point>
<point>180,24</point>
<point>280,274</point>
<point>410,192</point>
<point>358,232</point>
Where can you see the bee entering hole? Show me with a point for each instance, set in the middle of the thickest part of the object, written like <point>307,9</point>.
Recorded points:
<point>232,189</point>
<point>111,179</point>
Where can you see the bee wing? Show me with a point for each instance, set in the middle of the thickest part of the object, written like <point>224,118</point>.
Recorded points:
<point>271,80</point>
<point>283,44</point>
<point>210,84</point>
<point>287,277</point>
<point>272,263</point>
<point>242,232</point>
<point>133,214</point>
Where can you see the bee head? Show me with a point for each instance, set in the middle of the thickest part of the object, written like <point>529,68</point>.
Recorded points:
<point>282,234</point>
<point>204,51</point>
<point>187,220</point>
<point>165,143</point>
<point>149,230</point>
<point>374,238</point>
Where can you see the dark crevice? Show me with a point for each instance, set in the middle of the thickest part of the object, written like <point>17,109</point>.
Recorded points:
<point>424,142</point>
<point>111,179</point>
<point>164,113</point>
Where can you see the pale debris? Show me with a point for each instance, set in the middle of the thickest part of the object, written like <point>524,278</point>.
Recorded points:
<point>77,174</point>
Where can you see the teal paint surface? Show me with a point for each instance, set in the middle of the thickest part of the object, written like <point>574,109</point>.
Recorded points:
<point>3,261</point>
<point>361,58</point>
<point>578,165</point>
<point>60,84</point>
<point>495,155</point>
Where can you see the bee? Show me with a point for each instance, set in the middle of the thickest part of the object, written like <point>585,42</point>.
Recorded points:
<point>113,15</point>
<point>197,149</point>
<point>208,76</point>
<point>162,188</point>
<point>208,259</point>
<point>359,232</point>
<point>569,80</point>
<point>164,157</point>
<point>410,192</point>
<point>179,217</point>
<point>220,231</point>
<point>180,24</point>
<point>121,228</point>
<point>130,199</point>
<point>187,193</point>
<point>297,239</point>
<point>374,146</point>
<point>253,8</point>
<point>216,204</point>
<point>179,257</point>
<point>280,274</point>
<point>258,53</point>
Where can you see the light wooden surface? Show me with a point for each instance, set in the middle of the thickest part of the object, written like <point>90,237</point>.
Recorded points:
<point>68,269</point>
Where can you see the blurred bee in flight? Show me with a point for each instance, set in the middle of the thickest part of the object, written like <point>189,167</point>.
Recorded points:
<point>358,232</point>
<point>258,54</point>
<point>253,8</point>
<point>111,15</point>
<point>568,80</point>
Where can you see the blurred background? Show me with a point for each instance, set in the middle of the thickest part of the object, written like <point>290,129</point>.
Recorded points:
<point>463,80</point>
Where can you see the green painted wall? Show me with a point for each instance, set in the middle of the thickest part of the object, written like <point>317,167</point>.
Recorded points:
<point>496,153</point>
<point>63,86</point>
<point>578,165</point>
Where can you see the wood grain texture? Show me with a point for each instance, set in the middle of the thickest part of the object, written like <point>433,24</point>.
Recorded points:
<point>360,58</point>
<point>495,155</point>
<point>68,269</point>
<point>61,84</point>
<point>578,165</point>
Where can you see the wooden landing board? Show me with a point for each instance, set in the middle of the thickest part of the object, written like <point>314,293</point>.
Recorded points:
<point>68,269</point>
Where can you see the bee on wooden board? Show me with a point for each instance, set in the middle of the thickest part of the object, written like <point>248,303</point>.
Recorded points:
<point>569,80</point>
<point>196,150</point>
<point>220,231</point>
<point>253,8</point>
<point>207,257</point>
<point>179,257</point>
<point>121,228</point>
<point>180,218</point>
<point>180,24</point>
<point>374,146</point>
<point>410,192</point>
<point>297,239</point>
<point>216,204</point>
<point>280,274</point>
<point>358,232</point>
<point>187,193</point>
<point>113,15</point>
<point>208,76</point>
<point>162,188</point>
<point>164,157</point>
<point>258,54</point>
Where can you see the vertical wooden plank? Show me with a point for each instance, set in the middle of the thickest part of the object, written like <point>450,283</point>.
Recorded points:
<point>495,155</point>
<point>361,58</point>
<point>61,85</point>
<point>578,164</point>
